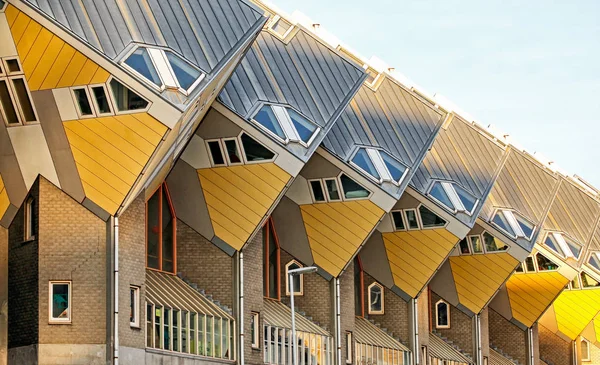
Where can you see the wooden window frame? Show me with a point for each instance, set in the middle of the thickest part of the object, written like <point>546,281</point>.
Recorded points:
<point>163,189</point>
<point>437,323</point>
<point>382,311</point>
<point>268,226</point>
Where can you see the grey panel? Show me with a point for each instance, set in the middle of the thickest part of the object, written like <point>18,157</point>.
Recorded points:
<point>318,167</point>
<point>443,284</point>
<point>96,209</point>
<point>58,144</point>
<point>216,125</point>
<point>374,260</point>
<point>9,168</point>
<point>291,233</point>
<point>188,199</point>
<point>9,215</point>
<point>501,303</point>
<point>203,31</point>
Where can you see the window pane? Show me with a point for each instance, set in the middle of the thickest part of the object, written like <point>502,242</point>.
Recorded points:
<point>126,99</point>
<point>304,128</point>
<point>587,281</point>
<point>544,264</point>
<point>358,289</point>
<point>371,75</point>
<point>166,332</point>
<point>375,304</point>
<point>352,189</point>
<point>362,160</point>
<point>60,301</point>
<point>281,26</point>
<point>149,328</point>
<point>575,283</point>
<point>233,152</point>
<point>332,189</point>
<point>24,100</point>
<point>411,217</point>
<point>153,230</point>
<point>442,314</point>
<point>429,218</point>
<point>395,168</point>
<point>175,330</point>
<point>501,222</point>
<point>466,198</point>
<point>209,336</point>
<point>476,244</point>
<point>594,262</point>
<point>193,343</point>
<point>398,220</point>
<point>13,65</point>
<point>520,268</point>
<point>83,102</point>
<point>141,62</point>
<point>273,264</point>
<point>317,190</point>
<point>184,72</point>
<point>438,192</point>
<point>492,244</point>
<point>184,336</point>
<point>101,100</point>
<point>7,105</point>
<point>132,316</point>
<point>526,227</point>
<point>157,329</point>
<point>551,242</point>
<point>529,265</point>
<point>201,334</point>
<point>464,247</point>
<point>575,248</point>
<point>167,235</point>
<point>267,119</point>
<point>215,151</point>
<point>255,151</point>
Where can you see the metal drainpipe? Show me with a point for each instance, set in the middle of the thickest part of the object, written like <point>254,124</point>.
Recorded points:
<point>530,340</point>
<point>241,306</point>
<point>416,329</point>
<point>116,291</point>
<point>575,358</point>
<point>478,350</point>
<point>338,322</point>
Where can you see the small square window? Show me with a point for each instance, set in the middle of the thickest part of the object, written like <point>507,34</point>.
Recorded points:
<point>476,244</point>
<point>464,247</point>
<point>12,66</point>
<point>232,151</point>
<point>398,221</point>
<point>333,191</point>
<point>280,26</point>
<point>82,100</point>
<point>411,219</point>
<point>316,188</point>
<point>134,306</point>
<point>216,153</point>
<point>60,302</point>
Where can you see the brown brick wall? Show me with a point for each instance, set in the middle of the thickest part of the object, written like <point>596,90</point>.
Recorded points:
<point>23,284</point>
<point>317,301</point>
<point>253,295</point>
<point>594,355</point>
<point>423,318</point>
<point>347,311</point>
<point>3,295</point>
<point>507,337</point>
<point>554,349</point>
<point>72,246</point>
<point>132,270</point>
<point>396,314</point>
<point>204,264</point>
<point>485,334</point>
<point>461,327</point>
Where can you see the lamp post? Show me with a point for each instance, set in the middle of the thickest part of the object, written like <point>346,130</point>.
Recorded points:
<point>291,274</point>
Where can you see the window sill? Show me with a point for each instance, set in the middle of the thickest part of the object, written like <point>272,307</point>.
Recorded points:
<point>135,326</point>
<point>59,322</point>
<point>27,240</point>
<point>256,348</point>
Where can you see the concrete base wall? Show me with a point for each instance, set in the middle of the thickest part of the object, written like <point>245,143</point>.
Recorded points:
<point>153,357</point>
<point>58,354</point>
<point>23,355</point>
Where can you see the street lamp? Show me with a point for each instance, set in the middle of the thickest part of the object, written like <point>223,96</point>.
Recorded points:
<point>291,274</point>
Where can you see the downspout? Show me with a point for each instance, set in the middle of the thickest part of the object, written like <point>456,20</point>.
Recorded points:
<point>116,291</point>
<point>338,322</point>
<point>478,350</point>
<point>575,358</point>
<point>416,347</point>
<point>241,306</point>
<point>530,343</point>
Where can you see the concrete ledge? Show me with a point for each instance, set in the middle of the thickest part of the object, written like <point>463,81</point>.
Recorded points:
<point>23,355</point>
<point>54,354</point>
<point>160,357</point>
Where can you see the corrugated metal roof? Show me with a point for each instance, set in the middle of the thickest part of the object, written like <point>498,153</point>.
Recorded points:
<point>439,349</point>
<point>172,291</point>
<point>367,333</point>
<point>464,155</point>
<point>497,359</point>
<point>279,315</point>
<point>304,74</point>
<point>392,118</point>
<point>203,31</point>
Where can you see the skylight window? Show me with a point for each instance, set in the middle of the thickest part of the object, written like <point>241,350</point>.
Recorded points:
<point>563,245</point>
<point>280,26</point>
<point>594,261</point>
<point>286,124</point>
<point>164,69</point>
<point>453,197</point>
<point>379,165</point>
<point>513,224</point>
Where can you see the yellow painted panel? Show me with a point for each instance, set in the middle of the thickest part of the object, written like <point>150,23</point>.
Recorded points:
<point>145,127</point>
<point>575,309</point>
<point>108,164</point>
<point>73,70</point>
<point>237,199</point>
<point>35,54</point>
<point>415,255</point>
<point>46,62</point>
<point>59,67</point>
<point>336,230</point>
<point>530,294</point>
<point>129,134</point>
<point>86,73</point>
<point>478,277</point>
<point>4,201</point>
<point>597,327</point>
<point>18,27</point>
<point>276,171</point>
<point>100,77</point>
<point>11,14</point>
<point>28,38</point>
<point>149,122</point>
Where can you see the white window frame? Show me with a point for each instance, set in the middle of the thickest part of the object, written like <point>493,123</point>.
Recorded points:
<point>468,247</point>
<point>210,155</point>
<point>255,340</point>
<point>377,161</point>
<point>437,323</point>
<point>274,21</point>
<point>77,108</point>
<point>239,151</point>
<point>480,237</point>
<point>420,219</point>
<point>94,102</point>
<point>285,122</point>
<point>369,310</point>
<point>300,277</point>
<point>401,212</point>
<point>5,66</point>
<point>586,356</point>
<point>560,240</point>
<point>373,84</point>
<point>339,178</point>
<point>136,305</point>
<point>338,181</point>
<point>243,151</point>
<point>450,191</point>
<point>339,188</point>
<point>349,345</point>
<point>596,255</point>
<point>114,99</point>
<point>28,226</point>
<point>312,193</point>
<point>535,262</point>
<point>67,320</point>
<point>417,216</point>
<point>8,78</point>
<point>514,224</point>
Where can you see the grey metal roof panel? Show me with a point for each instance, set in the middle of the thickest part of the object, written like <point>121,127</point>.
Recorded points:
<point>304,73</point>
<point>464,155</point>
<point>203,31</point>
<point>367,333</point>
<point>439,349</point>
<point>392,118</point>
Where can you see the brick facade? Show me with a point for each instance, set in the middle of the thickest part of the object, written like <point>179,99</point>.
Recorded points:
<point>3,295</point>
<point>461,327</point>
<point>554,349</point>
<point>253,295</point>
<point>347,310</point>
<point>507,337</point>
<point>204,264</point>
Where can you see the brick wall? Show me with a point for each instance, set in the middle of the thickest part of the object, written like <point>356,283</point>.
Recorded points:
<point>594,355</point>
<point>317,301</point>
<point>396,315</point>
<point>485,334</point>
<point>72,246</point>
<point>132,270</point>
<point>253,295</point>
<point>3,295</point>
<point>424,320</point>
<point>205,265</point>
<point>554,349</point>
<point>507,337</point>
<point>347,311</point>
<point>23,280</point>
<point>461,327</point>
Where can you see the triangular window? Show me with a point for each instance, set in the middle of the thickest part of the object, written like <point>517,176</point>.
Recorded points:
<point>594,261</point>
<point>454,197</point>
<point>286,124</point>
<point>563,245</point>
<point>379,165</point>
<point>544,263</point>
<point>125,99</point>
<point>514,224</point>
<point>429,219</point>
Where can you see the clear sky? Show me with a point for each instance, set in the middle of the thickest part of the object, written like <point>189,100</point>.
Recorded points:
<point>531,68</point>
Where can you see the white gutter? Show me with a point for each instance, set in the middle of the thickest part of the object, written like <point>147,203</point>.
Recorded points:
<point>530,343</point>
<point>338,330</point>
<point>478,350</point>
<point>241,306</point>
<point>116,291</point>
<point>415,321</point>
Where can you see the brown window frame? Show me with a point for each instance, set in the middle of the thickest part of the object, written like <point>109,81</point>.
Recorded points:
<point>162,189</point>
<point>362,287</point>
<point>268,226</point>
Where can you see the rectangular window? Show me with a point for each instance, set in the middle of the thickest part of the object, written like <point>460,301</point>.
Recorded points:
<point>254,328</point>
<point>233,152</point>
<point>149,326</point>
<point>398,221</point>
<point>134,306</point>
<point>60,302</point>
<point>8,108</point>
<point>585,350</point>
<point>348,347</point>
<point>411,219</point>
<point>30,222</point>
<point>16,106</point>
<point>333,192</point>
<point>101,101</point>
<point>24,99</point>
<point>216,153</point>
<point>83,103</point>
<point>316,188</point>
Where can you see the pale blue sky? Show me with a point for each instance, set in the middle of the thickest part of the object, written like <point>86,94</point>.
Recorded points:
<point>531,68</point>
